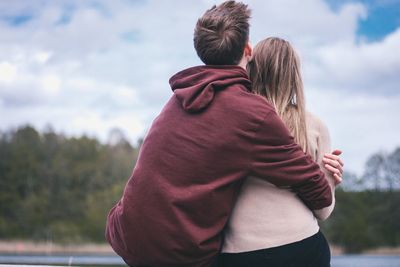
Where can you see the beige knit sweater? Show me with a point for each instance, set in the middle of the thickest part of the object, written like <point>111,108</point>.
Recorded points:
<point>266,216</point>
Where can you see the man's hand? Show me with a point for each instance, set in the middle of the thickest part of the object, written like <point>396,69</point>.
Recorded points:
<point>334,164</point>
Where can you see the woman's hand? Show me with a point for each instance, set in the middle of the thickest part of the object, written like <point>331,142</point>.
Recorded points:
<point>334,164</point>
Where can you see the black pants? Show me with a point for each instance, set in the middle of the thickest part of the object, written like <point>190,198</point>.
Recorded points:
<point>310,252</point>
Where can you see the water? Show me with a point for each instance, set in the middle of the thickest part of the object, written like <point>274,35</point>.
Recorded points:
<point>365,261</point>
<point>337,261</point>
<point>63,260</point>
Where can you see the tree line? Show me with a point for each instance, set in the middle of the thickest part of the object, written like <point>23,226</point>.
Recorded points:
<point>60,189</point>
<point>57,188</point>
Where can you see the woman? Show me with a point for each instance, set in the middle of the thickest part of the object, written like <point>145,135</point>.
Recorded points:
<point>270,226</point>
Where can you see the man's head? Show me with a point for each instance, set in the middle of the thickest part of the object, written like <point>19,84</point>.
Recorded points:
<point>222,34</point>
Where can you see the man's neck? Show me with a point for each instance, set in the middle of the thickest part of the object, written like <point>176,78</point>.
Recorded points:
<point>243,63</point>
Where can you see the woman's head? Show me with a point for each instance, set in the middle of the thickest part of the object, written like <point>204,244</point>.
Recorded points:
<point>274,71</point>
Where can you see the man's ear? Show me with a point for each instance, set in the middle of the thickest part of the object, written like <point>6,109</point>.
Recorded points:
<point>248,50</point>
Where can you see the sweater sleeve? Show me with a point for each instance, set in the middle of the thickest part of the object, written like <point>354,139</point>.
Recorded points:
<point>324,146</point>
<point>279,160</point>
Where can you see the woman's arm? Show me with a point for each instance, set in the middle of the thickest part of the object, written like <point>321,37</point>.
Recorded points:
<point>331,165</point>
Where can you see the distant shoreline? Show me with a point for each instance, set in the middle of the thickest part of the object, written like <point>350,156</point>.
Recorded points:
<point>24,247</point>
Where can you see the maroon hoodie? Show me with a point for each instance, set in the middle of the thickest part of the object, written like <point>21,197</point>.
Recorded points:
<point>211,134</point>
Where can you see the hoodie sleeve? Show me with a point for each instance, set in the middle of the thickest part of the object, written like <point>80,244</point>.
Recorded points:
<point>279,160</point>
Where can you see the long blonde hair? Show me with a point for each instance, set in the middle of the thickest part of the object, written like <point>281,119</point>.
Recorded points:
<point>274,71</point>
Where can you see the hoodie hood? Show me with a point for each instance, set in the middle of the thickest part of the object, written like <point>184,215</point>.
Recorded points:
<point>196,87</point>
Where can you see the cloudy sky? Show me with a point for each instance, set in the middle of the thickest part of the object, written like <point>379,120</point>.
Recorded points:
<point>91,66</point>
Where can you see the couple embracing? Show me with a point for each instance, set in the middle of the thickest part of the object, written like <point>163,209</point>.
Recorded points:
<point>233,171</point>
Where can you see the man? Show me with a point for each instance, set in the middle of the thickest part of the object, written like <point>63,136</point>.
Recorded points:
<point>211,134</point>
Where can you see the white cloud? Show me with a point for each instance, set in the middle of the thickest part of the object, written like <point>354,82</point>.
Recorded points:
<point>97,125</point>
<point>126,95</point>
<point>51,84</point>
<point>42,57</point>
<point>359,67</point>
<point>360,124</point>
<point>74,121</point>
<point>86,67</point>
<point>8,72</point>
<point>306,23</point>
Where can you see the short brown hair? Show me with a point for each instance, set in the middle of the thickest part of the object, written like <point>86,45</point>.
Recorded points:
<point>221,33</point>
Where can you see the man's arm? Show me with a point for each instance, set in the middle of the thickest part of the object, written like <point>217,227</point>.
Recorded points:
<point>279,160</point>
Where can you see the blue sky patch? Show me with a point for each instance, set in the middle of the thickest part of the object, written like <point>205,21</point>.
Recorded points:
<point>138,2</point>
<point>18,20</point>
<point>131,36</point>
<point>381,21</point>
<point>383,17</point>
<point>103,10</point>
<point>66,16</point>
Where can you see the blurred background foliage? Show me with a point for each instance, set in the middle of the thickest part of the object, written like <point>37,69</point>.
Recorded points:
<point>59,189</point>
